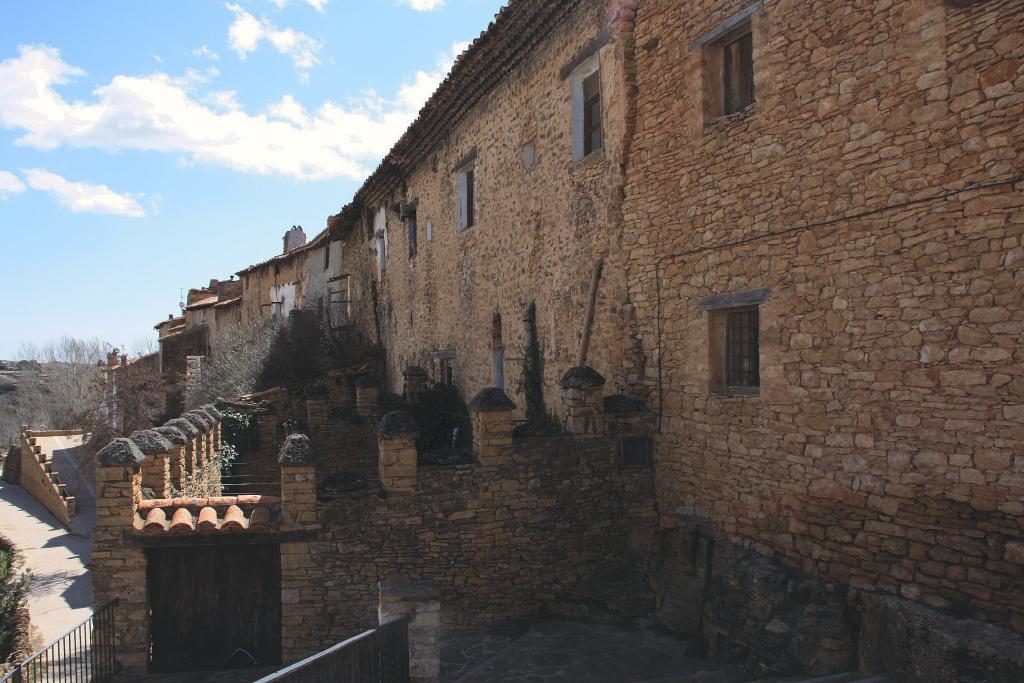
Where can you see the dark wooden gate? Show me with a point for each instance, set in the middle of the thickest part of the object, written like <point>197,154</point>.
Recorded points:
<point>214,606</point>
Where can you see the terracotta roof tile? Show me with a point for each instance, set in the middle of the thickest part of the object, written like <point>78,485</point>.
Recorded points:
<point>156,520</point>
<point>207,519</point>
<point>203,303</point>
<point>181,521</point>
<point>234,519</point>
<point>231,514</point>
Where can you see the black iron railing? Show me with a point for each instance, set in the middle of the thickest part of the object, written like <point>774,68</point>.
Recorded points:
<point>380,655</point>
<point>85,653</point>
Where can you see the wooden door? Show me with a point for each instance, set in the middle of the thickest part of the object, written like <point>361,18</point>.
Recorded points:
<point>213,605</point>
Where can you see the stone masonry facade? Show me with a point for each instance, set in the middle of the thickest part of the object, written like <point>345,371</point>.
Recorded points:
<point>874,189</point>
<point>825,195</point>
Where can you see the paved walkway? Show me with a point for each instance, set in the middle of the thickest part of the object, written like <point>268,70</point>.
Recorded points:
<point>60,594</point>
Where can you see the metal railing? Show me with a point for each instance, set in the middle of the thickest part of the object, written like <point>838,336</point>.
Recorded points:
<point>84,654</point>
<point>380,655</point>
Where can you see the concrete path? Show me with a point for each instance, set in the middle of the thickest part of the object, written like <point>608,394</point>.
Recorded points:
<point>60,594</point>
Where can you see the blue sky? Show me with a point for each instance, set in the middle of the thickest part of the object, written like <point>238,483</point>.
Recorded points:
<point>146,147</point>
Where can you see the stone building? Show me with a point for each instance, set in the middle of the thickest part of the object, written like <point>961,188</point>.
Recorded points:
<point>827,278</point>
<point>791,233</point>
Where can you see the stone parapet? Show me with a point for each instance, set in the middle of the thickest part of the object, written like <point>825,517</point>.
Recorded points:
<point>38,477</point>
<point>582,391</point>
<point>420,602</point>
<point>119,570</point>
<point>396,445</point>
<point>491,412</point>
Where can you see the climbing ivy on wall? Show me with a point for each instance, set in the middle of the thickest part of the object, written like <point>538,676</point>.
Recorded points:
<point>538,419</point>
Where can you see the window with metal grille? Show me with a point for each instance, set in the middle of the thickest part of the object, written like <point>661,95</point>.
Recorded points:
<point>636,452</point>
<point>742,368</point>
<point>738,69</point>
<point>592,137</point>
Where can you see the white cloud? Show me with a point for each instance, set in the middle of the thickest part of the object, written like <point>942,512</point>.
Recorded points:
<point>157,58</point>
<point>160,113</point>
<point>10,185</point>
<point>319,5</point>
<point>82,197</point>
<point>247,32</point>
<point>423,5</point>
<point>204,52</point>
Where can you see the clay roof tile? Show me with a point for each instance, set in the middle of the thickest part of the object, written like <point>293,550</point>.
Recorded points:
<point>207,519</point>
<point>156,520</point>
<point>182,521</point>
<point>234,519</point>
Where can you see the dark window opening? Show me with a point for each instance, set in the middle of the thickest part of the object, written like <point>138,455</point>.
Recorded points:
<point>449,376</point>
<point>327,256</point>
<point>636,452</point>
<point>592,137</point>
<point>412,236</point>
<point>738,68</point>
<point>742,367</point>
<point>470,192</point>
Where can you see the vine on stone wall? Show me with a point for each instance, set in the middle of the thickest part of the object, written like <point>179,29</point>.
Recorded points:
<point>538,420</point>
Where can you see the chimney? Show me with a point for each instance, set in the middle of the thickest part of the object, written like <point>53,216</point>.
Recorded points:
<point>294,238</point>
<point>112,358</point>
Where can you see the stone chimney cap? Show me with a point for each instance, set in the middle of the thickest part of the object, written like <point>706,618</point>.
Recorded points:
<point>414,371</point>
<point>172,434</point>
<point>150,442</point>
<point>121,452</point>
<point>398,423</point>
<point>296,452</point>
<point>490,400</point>
<point>212,411</point>
<point>620,403</point>
<point>581,377</point>
<point>186,427</point>
<point>200,419</point>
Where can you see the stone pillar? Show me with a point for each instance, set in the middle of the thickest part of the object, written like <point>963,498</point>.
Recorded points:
<point>191,453</point>
<point>415,383</point>
<point>216,416</point>
<point>582,389</point>
<point>176,456</point>
<point>491,412</point>
<point>366,397</point>
<point>418,599</point>
<point>317,400</point>
<point>302,588</point>
<point>118,571</point>
<point>156,470</point>
<point>396,447</point>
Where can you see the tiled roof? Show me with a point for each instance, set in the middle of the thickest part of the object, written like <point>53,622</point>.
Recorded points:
<point>223,514</point>
<point>517,29</point>
<point>229,302</point>
<point>314,243</point>
<point>202,303</point>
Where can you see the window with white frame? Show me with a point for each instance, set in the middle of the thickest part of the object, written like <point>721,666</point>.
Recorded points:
<point>466,178</point>
<point>587,136</point>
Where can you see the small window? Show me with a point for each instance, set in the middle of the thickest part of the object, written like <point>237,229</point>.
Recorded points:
<point>467,197</point>
<point>587,134</point>
<point>592,137</point>
<point>742,366</point>
<point>430,231</point>
<point>412,236</point>
<point>449,376</point>
<point>738,72</point>
<point>327,256</point>
<point>636,452</point>
<point>529,155</point>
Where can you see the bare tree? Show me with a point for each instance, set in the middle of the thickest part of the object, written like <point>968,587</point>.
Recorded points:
<point>237,367</point>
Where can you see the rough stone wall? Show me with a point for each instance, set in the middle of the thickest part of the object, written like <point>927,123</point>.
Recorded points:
<point>497,542</point>
<point>41,480</point>
<point>537,232</point>
<point>884,448</point>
